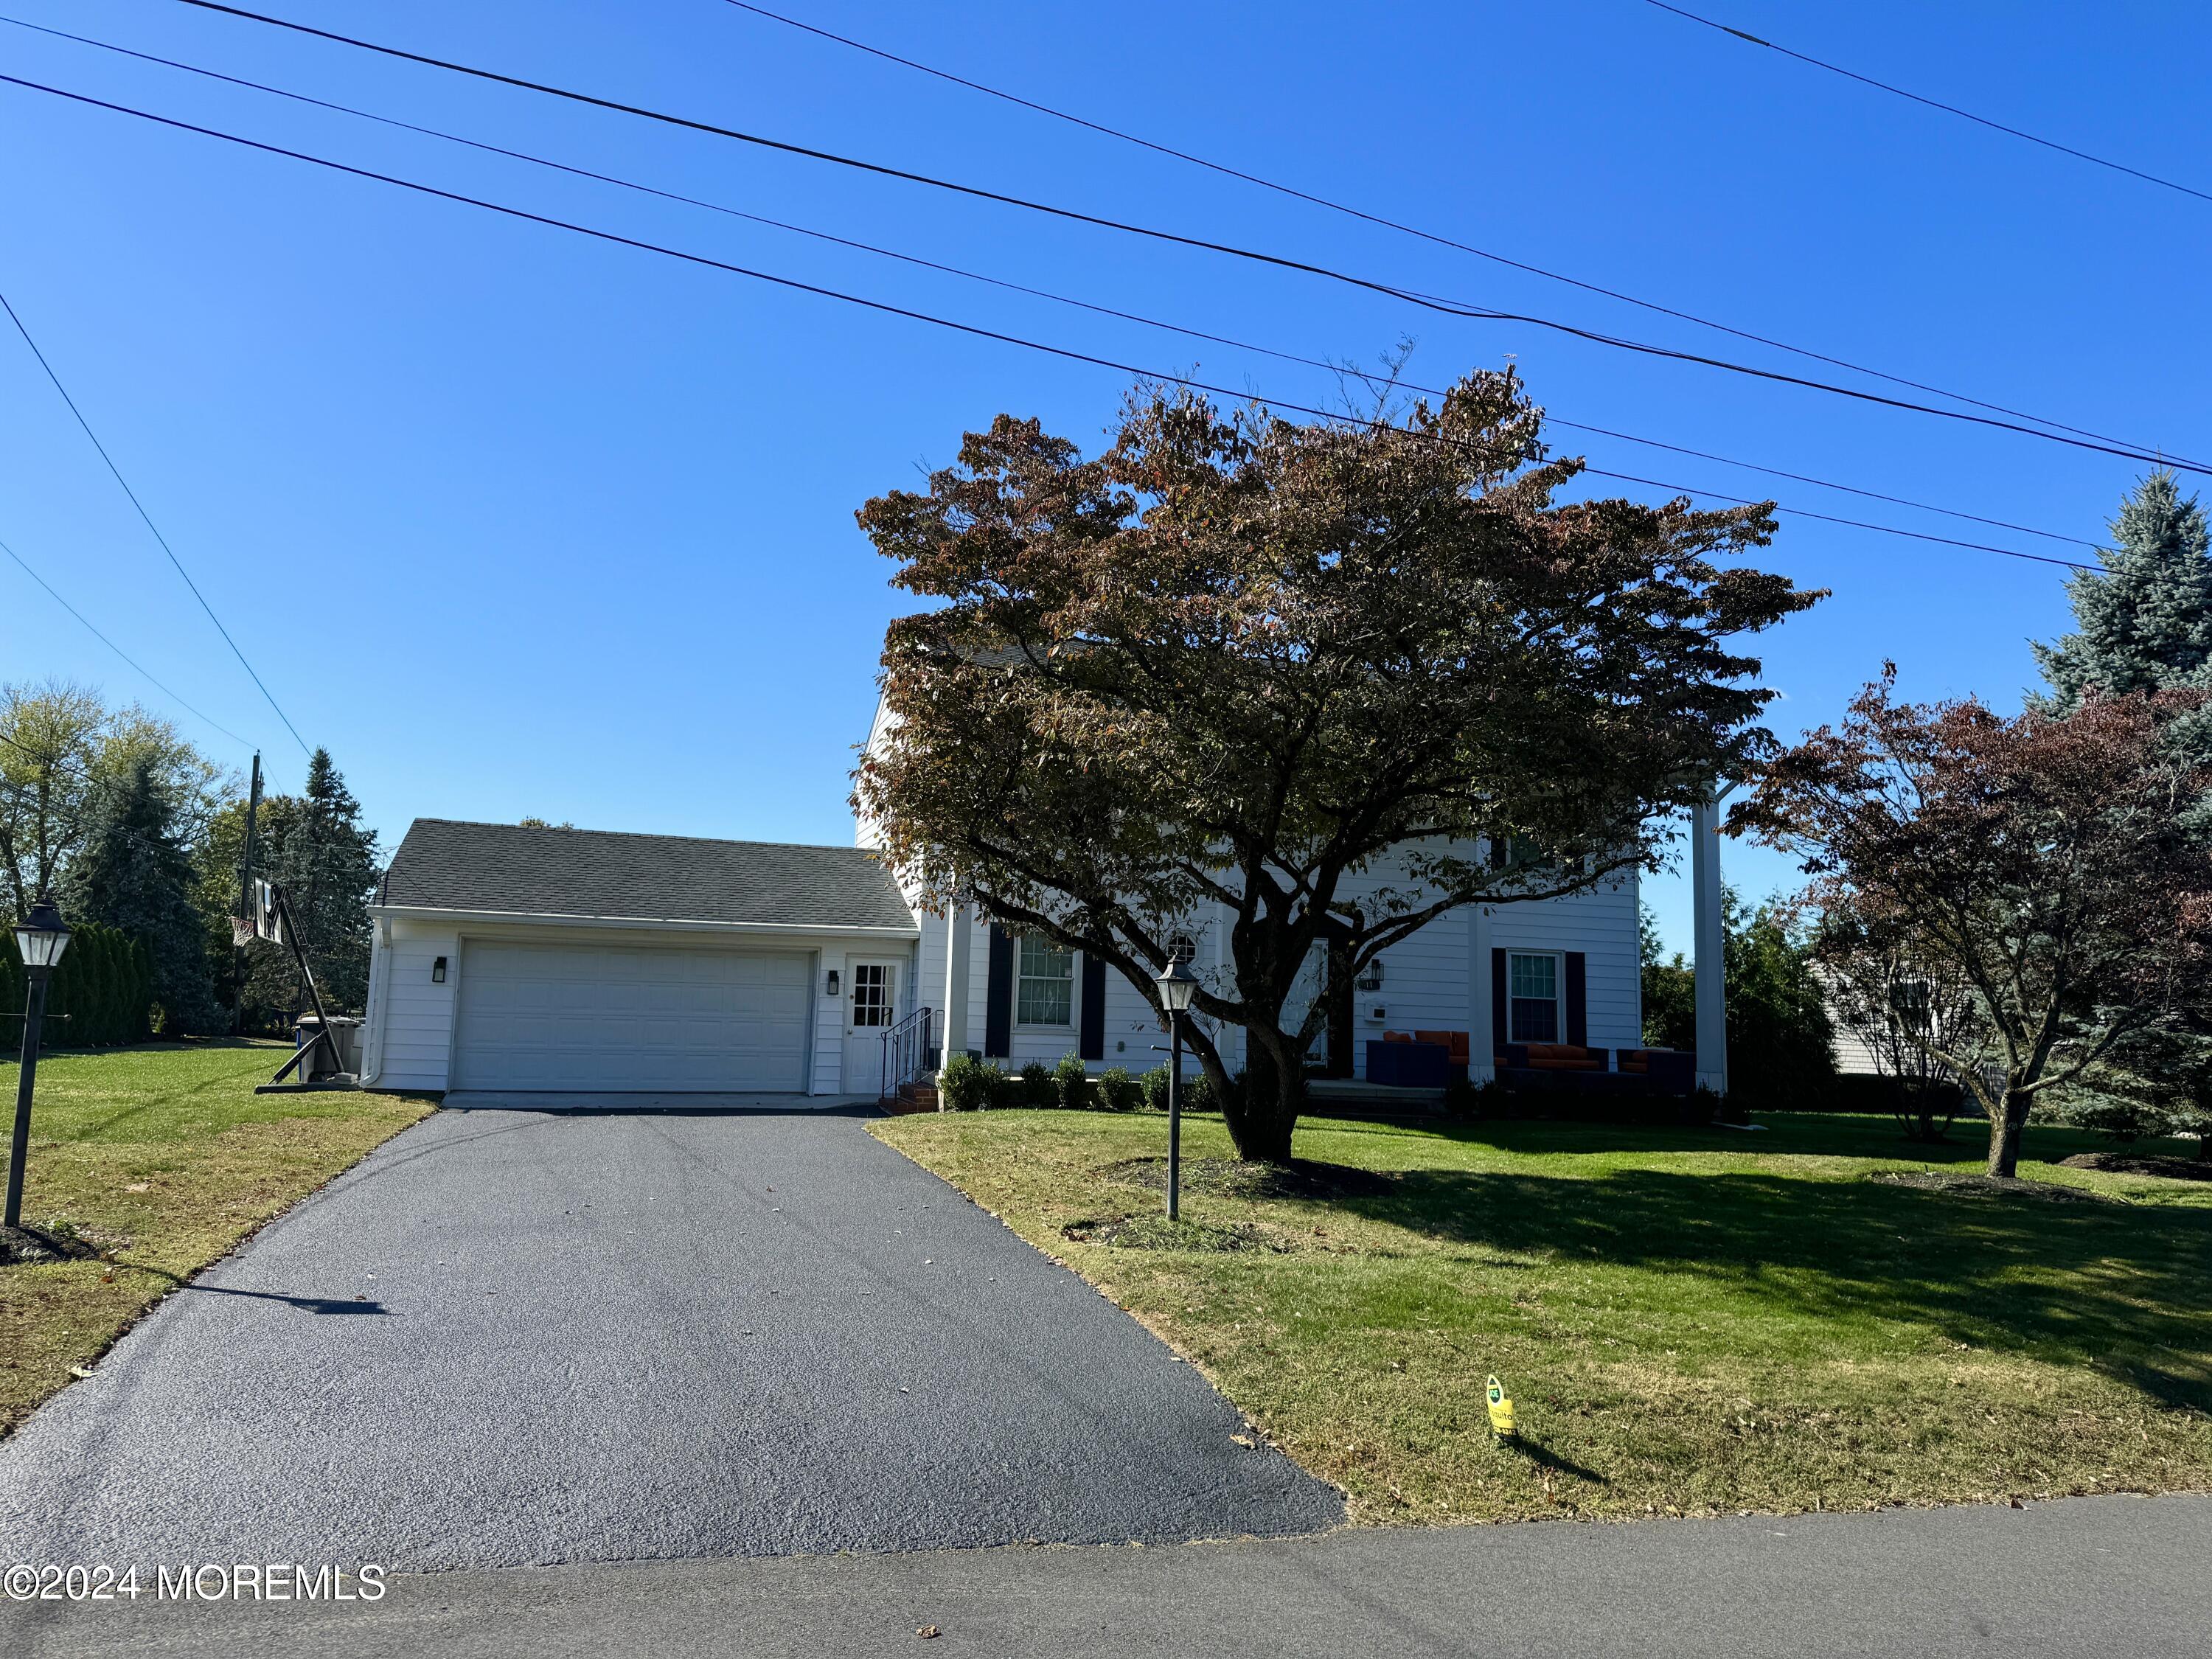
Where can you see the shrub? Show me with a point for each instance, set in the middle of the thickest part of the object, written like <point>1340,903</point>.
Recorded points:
<point>1118,1092</point>
<point>966,1085</point>
<point>1071,1082</point>
<point>1035,1086</point>
<point>1730,1108</point>
<point>1476,1101</point>
<point>1199,1094</point>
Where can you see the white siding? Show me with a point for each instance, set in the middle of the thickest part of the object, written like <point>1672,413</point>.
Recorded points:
<point>1602,923</point>
<point>416,1015</point>
<point>1426,978</point>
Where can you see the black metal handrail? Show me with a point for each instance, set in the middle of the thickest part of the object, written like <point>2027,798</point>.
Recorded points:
<point>906,1053</point>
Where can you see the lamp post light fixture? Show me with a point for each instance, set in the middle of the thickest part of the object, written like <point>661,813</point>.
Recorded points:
<point>41,936</point>
<point>1177,985</point>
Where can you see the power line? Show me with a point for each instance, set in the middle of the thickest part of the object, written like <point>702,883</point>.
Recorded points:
<point>1856,523</point>
<point>149,520</point>
<point>1279,261</point>
<point>142,669</point>
<point>883,307</point>
<point>1437,238</point>
<point>1001,283</point>
<point>1931,103</point>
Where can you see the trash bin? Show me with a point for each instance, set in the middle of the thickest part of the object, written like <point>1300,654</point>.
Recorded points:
<point>345,1036</point>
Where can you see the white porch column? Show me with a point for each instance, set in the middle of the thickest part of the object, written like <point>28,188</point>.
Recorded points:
<point>1481,1039</point>
<point>959,931</point>
<point>1711,981</point>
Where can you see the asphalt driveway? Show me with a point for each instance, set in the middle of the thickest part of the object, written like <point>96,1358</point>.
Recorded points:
<point>510,1338</point>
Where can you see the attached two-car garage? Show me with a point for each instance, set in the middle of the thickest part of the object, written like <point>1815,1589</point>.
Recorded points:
<point>513,959</point>
<point>568,1017</point>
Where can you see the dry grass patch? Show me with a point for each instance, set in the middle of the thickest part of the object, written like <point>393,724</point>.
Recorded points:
<point>162,1158</point>
<point>1691,1321</point>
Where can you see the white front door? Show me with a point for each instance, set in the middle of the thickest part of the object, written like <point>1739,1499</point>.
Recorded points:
<point>870,1009</point>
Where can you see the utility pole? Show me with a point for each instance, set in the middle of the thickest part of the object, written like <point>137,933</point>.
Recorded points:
<point>245,903</point>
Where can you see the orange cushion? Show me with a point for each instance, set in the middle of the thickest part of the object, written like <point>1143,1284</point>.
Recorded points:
<point>1397,1036</point>
<point>1562,1057</point>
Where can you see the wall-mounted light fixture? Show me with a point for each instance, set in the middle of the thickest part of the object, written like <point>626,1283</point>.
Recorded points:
<point>438,971</point>
<point>833,982</point>
<point>1370,976</point>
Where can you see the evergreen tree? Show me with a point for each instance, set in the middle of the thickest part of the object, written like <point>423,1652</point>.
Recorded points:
<point>326,861</point>
<point>2144,623</point>
<point>132,873</point>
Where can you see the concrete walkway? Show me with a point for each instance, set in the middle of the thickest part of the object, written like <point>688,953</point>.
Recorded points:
<point>518,1100</point>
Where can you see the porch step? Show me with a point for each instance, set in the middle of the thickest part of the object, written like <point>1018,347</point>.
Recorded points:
<point>913,1098</point>
<point>1357,1094</point>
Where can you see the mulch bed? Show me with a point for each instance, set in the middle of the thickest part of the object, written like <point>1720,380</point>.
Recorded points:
<point>1226,1177</point>
<point>2171,1169</point>
<point>1157,1232</point>
<point>29,1244</point>
<point>2014,1188</point>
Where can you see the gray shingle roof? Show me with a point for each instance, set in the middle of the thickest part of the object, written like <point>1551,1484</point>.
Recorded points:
<point>444,865</point>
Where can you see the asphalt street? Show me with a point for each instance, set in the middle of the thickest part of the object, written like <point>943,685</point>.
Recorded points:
<point>2085,1576</point>
<point>518,1338</point>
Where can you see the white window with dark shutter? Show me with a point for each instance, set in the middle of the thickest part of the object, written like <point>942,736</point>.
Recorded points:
<point>1533,997</point>
<point>1044,985</point>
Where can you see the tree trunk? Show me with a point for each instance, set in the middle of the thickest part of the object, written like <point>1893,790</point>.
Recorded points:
<point>2004,1135</point>
<point>1343,1018</point>
<point>1263,1113</point>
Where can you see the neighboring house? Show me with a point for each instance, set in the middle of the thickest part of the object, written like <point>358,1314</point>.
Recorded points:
<point>527,958</point>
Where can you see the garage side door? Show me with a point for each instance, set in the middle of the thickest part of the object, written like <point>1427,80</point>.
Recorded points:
<point>622,1018</point>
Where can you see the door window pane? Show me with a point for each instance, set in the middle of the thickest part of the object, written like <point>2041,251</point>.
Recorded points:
<point>1046,993</point>
<point>871,994</point>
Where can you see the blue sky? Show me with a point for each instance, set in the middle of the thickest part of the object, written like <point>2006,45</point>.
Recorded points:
<point>520,524</point>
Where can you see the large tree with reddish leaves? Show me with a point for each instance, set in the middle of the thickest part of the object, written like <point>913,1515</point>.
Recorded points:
<point>1236,659</point>
<point>2043,856</point>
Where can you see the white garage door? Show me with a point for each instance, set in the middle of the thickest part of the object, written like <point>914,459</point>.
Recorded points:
<point>615,1017</point>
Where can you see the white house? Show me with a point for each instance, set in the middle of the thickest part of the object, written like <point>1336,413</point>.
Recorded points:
<point>515,958</point>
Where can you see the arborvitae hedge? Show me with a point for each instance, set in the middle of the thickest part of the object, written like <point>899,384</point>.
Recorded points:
<point>105,984</point>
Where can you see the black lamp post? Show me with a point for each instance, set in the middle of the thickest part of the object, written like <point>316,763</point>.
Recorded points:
<point>1177,987</point>
<point>41,936</point>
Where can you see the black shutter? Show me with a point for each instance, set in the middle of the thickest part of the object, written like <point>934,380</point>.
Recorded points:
<point>1092,1043</point>
<point>1577,997</point>
<point>999,997</point>
<point>1500,1032</point>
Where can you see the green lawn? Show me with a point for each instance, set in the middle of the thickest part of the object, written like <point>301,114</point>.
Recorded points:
<point>1690,1320</point>
<point>164,1158</point>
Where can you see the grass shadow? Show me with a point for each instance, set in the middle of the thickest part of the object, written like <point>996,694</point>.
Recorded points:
<point>2126,1290</point>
